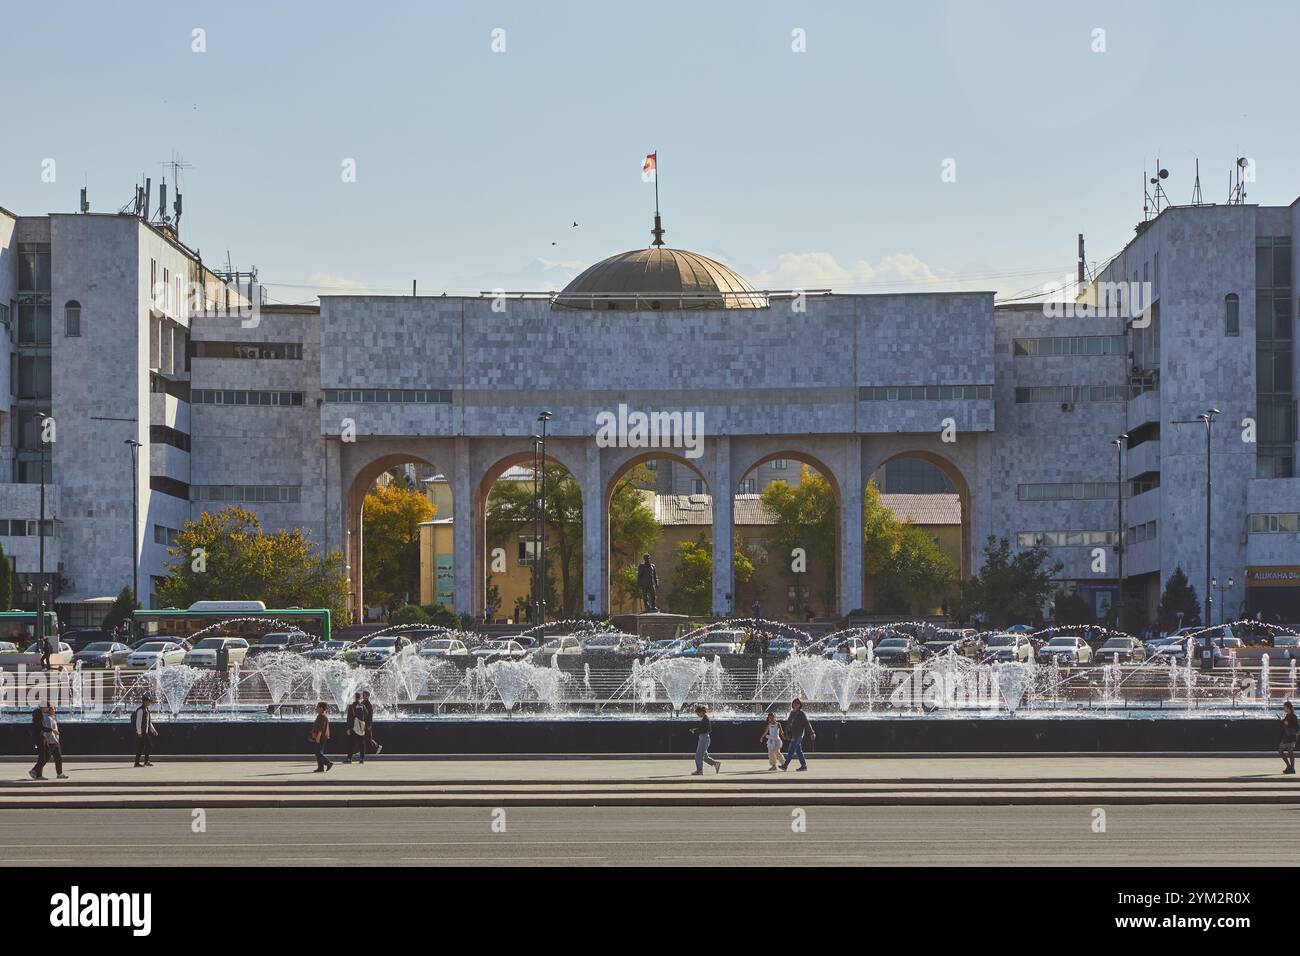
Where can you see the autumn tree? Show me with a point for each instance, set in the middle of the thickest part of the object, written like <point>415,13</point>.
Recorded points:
<point>391,517</point>
<point>227,556</point>
<point>692,587</point>
<point>806,519</point>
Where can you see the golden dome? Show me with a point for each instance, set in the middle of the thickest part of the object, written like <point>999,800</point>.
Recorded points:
<point>658,278</point>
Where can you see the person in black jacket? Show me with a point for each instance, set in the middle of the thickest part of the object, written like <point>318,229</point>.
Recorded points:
<point>796,725</point>
<point>370,726</point>
<point>703,732</point>
<point>356,720</point>
<point>38,740</point>
<point>1290,730</point>
<point>145,731</point>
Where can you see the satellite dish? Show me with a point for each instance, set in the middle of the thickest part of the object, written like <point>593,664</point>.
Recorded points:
<point>1242,161</point>
<point>1164,174</point>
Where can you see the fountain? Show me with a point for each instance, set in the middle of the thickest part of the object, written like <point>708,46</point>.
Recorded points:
<point>680,675</point>
<point>172,684</point>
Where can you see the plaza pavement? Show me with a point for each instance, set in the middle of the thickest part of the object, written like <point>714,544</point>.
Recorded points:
<point>598,781</point>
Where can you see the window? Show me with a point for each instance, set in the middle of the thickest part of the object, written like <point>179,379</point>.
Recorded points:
<point>1065,539</point>
<point>779,464</point>
<point>747,487</point>
<point>1071,345</point>
<point>33,376</point>
<point>248,350</point>
<point>697,486</point>
<point>72,319</point>
<point>1285,523</point>
<point>923,393</point>
<point>240,396</point>
<point>1067,491</point>
<point>254,494</point>
<point>1231,314</point>
<point>389,395</point>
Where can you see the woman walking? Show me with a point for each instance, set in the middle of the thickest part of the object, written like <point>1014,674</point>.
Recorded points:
<point>320,735</point>
<point>1290,730</point>
<point>772,736</point>
<point>702,732</point>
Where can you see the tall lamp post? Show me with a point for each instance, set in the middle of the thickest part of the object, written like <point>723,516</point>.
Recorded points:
<point>539,475</point>
<point>1119,444</point>
<point>1206,418</point>
<point>40,531</point>
<point>135,522</point>
<point>1214,583</point>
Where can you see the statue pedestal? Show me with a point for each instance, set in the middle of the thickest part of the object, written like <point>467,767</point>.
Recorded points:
<point>653,625</point>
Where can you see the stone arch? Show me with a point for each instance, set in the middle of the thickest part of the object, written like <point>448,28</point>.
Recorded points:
<point>829,591</point>
<point>362,477</point>
<point>620,468</point>
<point>488,476</point>
<point>955,474</point>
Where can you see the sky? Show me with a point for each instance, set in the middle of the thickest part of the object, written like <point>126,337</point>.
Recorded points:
<point>858,146</point>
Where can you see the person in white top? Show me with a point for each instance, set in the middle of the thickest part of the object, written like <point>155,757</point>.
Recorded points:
<point>772,736</point>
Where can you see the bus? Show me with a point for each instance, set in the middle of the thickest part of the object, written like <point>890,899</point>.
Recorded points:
<point>19,627</point>
<point>247,619</point>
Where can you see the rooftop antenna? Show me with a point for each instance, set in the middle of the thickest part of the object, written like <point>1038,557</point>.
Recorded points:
<point>1196,188</point>
<point>1157,181</point>
<point>651,164</point>
<point>1237,182</point>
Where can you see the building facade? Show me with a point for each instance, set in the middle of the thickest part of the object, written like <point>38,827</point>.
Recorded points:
<point>293,412</point>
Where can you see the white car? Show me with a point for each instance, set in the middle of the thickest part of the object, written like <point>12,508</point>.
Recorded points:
<point>205,651</point>
<point>722,642</point>
<point>443,647</point>
<point>561,645</point>
<point>849,649</point>
<point>499,650</point>
<point>63,648</point>
<point>1066,650</point>
<point>153,654</point>
<point>381,649</point>
<point>1007,647</point>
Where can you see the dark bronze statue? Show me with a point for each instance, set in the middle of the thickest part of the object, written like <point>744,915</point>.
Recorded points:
<point>647,580</point>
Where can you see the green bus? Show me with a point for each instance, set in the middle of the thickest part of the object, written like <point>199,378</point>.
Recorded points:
<point>19,627</point>
<point>247,619</point>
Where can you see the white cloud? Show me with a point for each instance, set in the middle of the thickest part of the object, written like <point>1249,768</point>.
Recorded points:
<point>901,272</point>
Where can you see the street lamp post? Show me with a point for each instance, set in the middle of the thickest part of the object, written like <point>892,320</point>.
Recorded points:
<point>1214,583</point>
<point>1119,444</point>
<point>1206,418</point>
<point>539,475</point>
<point>40,531</point>
<point>135,522</point>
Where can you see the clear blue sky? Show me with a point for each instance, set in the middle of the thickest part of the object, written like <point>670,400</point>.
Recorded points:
<point>814,168</point>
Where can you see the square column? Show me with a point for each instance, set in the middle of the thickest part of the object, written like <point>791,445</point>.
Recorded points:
<point>852,489</point>
<point>723,531</point>
<point>464,560</point>
<point>595,537</point>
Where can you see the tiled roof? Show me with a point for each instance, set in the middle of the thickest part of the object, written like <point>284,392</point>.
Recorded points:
<point>749,509</point>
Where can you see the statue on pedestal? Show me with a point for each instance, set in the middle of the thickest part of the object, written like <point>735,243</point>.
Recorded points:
<point>647,580</point>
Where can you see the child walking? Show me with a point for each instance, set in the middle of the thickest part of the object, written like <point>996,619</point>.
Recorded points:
<point>772,736</point>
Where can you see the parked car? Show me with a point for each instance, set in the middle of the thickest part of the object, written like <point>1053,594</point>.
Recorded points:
<point>613,644</point>
<point>205,652</point>
<point>443,647</point>
<point>64,648</point>
<point>849,649</point>
<point>1168,649</point>
<point>721,642</point>
<point>668,647</point>
<point>8,647</point>
<point>81,638</point>
<point>499,650</point>
<point>1020,629</point>
<point>102,654</point>
<point>1008,646</point>
<point>153,654</point>
<point>381,649</point>
<point>1125,650</point>
<point>782,646</point>
<point>562,644</point>
<point>333,650</point>
<point>1066,649</point>
<point>282,642</point>
<point>898,651</point>
<point>1287,646</point>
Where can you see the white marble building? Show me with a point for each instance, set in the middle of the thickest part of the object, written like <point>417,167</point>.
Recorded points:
<point>295,413</point>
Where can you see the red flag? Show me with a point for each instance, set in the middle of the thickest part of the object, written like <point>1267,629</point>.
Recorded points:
<point>650,162</point>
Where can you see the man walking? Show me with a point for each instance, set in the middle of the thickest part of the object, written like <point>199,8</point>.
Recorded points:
<point>52,749</point>
<point>1290,730</point>
<point>145,731</point>
<point>796,725</point>
<point>356,728</point>
<point>38,740</point>
<point>369,713</point>
<point>702,731</point>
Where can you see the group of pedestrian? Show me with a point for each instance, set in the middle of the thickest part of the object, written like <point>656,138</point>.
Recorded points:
<point>45,733</point>
<point>791,732</point>
<point>360,717</point>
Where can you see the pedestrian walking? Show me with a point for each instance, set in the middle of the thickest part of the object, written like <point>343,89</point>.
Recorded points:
<point>52,746</point>
<point>356,728</point>
<point>796,726</point>
<point>320,735</point>
<point>703,732</point>
<point>771,737</point>
<point>143,725</point>
<point>369,741</point>
<point>1290,730</point>
<point>38,740</point>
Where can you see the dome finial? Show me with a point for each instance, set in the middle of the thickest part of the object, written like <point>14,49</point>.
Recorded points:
<point>658,231</point>
<point>651,167</point>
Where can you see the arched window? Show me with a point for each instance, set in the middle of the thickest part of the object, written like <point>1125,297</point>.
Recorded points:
<point>72,319</point>
<point>1231,314</point>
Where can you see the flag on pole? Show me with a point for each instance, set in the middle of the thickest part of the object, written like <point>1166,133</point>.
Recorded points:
<point>650,162</point>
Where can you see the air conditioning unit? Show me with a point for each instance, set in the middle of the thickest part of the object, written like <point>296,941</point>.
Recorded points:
<point>1067,406</point>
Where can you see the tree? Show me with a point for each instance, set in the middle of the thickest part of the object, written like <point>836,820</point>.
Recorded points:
<point>916,574</point>
<point>1071,608</point>
<point>6,582</point>
<point>227,557</point>
<point>391,517</point>
<point>692,591</point>
<point>807,518</point>
<point>1009,588</point>
<point>409,614</point>
<point>120,609</point>
<point>1179,598</point>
